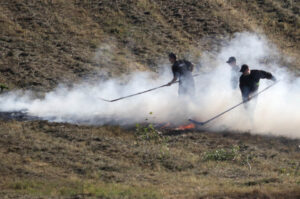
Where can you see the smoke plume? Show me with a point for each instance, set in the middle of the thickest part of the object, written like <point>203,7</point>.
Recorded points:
<point>277,111</point>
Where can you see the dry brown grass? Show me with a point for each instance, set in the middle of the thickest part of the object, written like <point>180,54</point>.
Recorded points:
<point>55,159</point>
<point>48,42</point>
<point>43,43</point>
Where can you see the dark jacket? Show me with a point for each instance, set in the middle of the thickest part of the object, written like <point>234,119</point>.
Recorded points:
<point>182,70</point>
<point>250,83</point>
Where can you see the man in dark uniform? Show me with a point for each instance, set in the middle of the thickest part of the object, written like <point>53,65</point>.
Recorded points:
<point>182,70</point>
<point>249,81</point>
<point>234,72</point>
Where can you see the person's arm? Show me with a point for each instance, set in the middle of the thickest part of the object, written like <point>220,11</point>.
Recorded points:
<point>176,74</point>
<point>266,75</point>
<point>172,81</point>
<point>241,85</point>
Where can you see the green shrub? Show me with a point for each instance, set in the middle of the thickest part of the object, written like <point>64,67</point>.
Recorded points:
<point>222,154</point>
<point>2,87</point>
<point>148,133</point>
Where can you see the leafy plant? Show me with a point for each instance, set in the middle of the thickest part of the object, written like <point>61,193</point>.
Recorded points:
<point>2,87</point>
<point>222,154</point>
<point>148,133</point>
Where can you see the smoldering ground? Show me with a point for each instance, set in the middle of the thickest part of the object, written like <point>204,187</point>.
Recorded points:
<point>277,111</point>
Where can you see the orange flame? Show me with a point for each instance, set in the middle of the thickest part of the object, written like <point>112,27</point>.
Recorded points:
<point>186,127</point>
<point>166,125</point>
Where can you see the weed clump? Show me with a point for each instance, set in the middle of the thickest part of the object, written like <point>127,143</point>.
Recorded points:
<point>149,133</point>
<point>2,87</point>
<point>222,154</point>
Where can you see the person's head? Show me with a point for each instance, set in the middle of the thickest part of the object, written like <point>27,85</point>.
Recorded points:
<point>172,58</point>
<point>245,69</point>
<point>231,61</point>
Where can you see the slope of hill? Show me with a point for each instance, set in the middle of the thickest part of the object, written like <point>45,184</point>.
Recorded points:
<point>55,160</point>
<point>47,42</point>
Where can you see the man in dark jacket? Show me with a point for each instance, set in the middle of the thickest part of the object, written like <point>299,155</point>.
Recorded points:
<point>234,72</point>
<point>249,81</point>
<point>182,70</point>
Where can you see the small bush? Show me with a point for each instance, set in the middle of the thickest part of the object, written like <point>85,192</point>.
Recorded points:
<point>222,154</point>
<point>2,87</point>
<point>149,133</point>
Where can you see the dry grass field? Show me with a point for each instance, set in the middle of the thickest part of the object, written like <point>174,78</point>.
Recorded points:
<point>57,160</point>
<point>47,42</point>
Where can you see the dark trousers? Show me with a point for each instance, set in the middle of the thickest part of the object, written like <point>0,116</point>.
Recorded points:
<point>250,105</point>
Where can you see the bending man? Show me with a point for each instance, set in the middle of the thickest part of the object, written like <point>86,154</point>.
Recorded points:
<point>249,81</point>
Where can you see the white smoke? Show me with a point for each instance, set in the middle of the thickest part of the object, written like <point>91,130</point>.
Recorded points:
<point>277,110</point>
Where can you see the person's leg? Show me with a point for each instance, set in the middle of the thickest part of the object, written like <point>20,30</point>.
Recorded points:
<point>245,98</point>
<point>252,107</point>
<point>181,90</point>
<point>188,88</point>
<point>191,89</point>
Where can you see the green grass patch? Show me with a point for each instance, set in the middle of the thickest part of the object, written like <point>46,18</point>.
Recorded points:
<point>222,154</point>
<point>102,190</point>
<point>2,87</point>
<point>115,191</point>
<point>42,188</point>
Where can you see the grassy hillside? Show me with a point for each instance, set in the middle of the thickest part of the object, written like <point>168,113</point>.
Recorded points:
<point>40,159</point>
<point>47,42</point>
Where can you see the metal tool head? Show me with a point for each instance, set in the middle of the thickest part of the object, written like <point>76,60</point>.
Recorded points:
<point>197,122</point>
